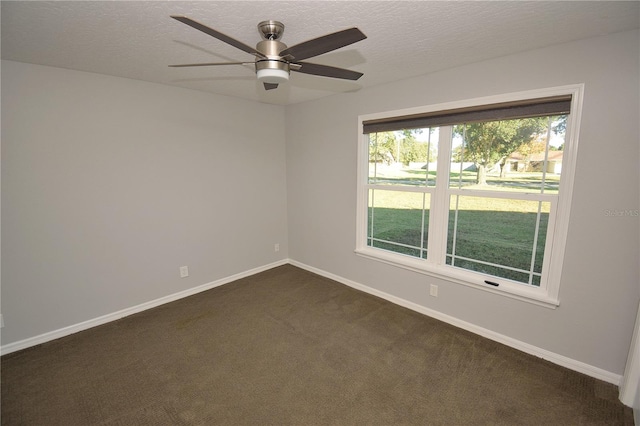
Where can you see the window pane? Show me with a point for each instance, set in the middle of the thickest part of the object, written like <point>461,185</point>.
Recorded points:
<point>523,155</point>
<point>398,221</point>
<point>406,157</point>
<point>497,236</point>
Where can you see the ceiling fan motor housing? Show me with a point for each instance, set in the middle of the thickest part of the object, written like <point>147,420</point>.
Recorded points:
<point>273,69</point>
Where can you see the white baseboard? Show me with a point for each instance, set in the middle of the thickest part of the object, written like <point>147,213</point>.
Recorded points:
<point>56,334</point>
<point>555,358</point>
<point>561,360</point>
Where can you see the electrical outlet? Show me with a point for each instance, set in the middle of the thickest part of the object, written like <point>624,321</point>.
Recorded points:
<point>184,271</point>
<point>276,247</point>
<point>433,290</point>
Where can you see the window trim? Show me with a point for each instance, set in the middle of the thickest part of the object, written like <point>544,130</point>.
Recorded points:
<point>558,217</point>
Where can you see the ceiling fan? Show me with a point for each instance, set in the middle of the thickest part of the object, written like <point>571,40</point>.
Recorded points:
<point>274,60</point>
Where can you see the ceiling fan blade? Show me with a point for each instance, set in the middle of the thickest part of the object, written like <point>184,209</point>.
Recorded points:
<point>208,64</point>
<point>217,34</point>
<point>327,71</point>
<point>324,44</point>
<point>270,86</point>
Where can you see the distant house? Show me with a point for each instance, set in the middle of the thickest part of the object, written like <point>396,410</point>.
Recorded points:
<point>535,162</point>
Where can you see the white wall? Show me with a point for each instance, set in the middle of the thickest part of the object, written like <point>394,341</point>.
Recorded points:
<point>110,185</point>
<point>599,294</point>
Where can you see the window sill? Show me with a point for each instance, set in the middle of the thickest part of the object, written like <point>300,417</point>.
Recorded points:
<point>520,292</point>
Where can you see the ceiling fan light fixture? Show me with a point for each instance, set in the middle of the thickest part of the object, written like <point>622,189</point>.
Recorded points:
<point>272,71</point>
<point>272,75</point>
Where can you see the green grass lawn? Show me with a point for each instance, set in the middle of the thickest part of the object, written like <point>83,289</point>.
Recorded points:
<point>497,231</point>
<point>514,181</point>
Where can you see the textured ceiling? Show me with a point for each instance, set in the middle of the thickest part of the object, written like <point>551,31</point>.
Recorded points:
<point>137,39</point>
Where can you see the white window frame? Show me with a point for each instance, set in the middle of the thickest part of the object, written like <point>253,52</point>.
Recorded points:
<point>548,293</point>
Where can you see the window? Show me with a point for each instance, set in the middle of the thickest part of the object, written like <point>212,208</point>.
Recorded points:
<point>475,192</point>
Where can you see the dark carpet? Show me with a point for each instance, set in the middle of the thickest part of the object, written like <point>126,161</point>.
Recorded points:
<point>288,347</point>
